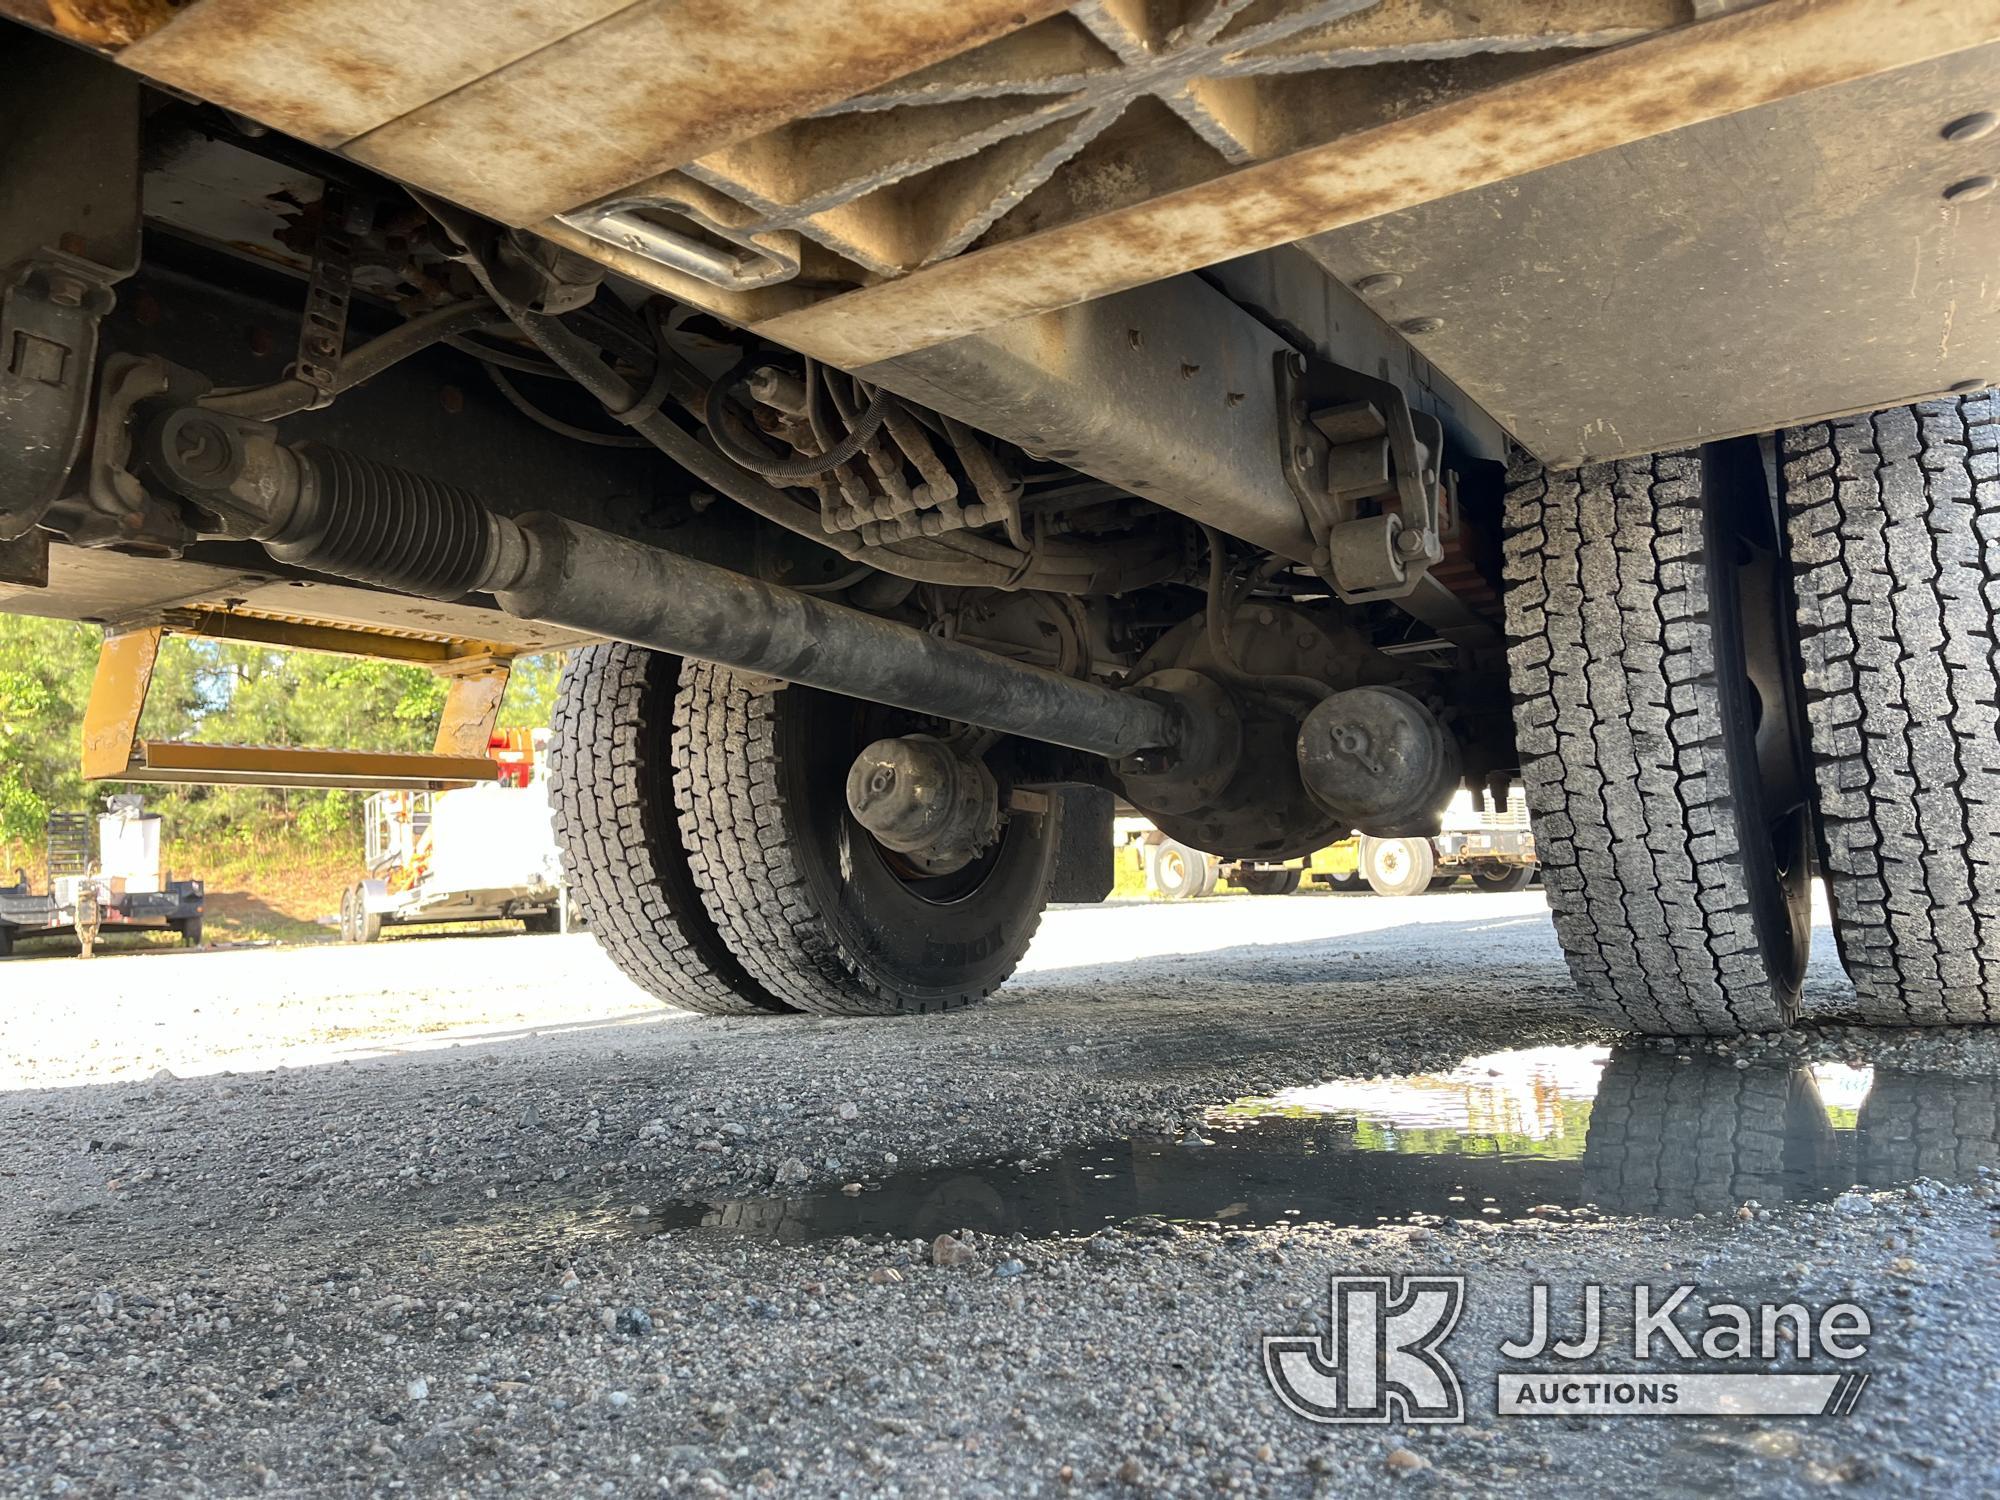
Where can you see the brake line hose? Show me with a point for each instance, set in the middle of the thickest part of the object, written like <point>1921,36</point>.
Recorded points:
<point>715,413</point>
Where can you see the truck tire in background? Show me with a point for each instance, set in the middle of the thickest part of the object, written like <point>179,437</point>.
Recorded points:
<point>190,931</point>
<point>1655,711</point>
<point>1178,873</point>
<point>618,825</point>
<point>1895,530</point>
<point>821,916</point>
<point>1500,879</point>
<point>1271,882</point>
<point>357,923</point>
<point>89,920</point>
<point>1398,867</point>
<point>356,926</point>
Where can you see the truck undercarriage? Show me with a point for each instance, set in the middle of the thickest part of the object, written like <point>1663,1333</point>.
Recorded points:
<point>936,421</point>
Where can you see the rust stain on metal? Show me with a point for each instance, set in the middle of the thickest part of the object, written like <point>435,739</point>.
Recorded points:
<point>1109,103</point>
<point>663,82</point>
<point>1683,77</point>
<point>330,70</point>
<point>108,24</point>
<point>33,13</point>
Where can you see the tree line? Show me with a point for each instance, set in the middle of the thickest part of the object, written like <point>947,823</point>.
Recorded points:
<point>220,692</point>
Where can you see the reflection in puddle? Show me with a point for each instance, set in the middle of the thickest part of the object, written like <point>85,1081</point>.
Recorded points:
<point>1627,1131</point>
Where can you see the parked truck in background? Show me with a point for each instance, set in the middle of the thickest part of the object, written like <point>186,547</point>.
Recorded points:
<point>931,421</point>
<point>1493,845</point>
<point>471,854</point>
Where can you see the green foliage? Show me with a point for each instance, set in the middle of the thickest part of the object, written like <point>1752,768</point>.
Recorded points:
<point>221,692</point>
<point>531,691</point>
<point>329,815</point>
<point>45,669</point>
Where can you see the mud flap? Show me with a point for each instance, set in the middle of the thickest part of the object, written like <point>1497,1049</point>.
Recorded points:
<point>1085,863</point>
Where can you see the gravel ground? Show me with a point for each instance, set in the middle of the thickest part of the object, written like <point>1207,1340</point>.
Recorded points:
<point>368,1220</point>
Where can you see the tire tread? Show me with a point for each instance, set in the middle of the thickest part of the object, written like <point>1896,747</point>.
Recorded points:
<point>619,834</point>
<point>1618,724</point>
<point>1895,531</point>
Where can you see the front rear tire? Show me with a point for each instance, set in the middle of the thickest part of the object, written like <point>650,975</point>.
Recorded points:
<point>1655,714</point>
<point>1501,879</point>
<point>1271,882</point>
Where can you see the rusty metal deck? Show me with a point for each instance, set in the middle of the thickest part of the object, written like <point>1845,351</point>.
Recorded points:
<point>904,173</point>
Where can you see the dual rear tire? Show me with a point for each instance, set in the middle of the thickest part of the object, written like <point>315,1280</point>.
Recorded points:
<point>1179,873</point>
<point>1895,533</point>
<point>1649,648</point>
<point>357,923</point>
<point>1702,721</point>
<point>703,822</point>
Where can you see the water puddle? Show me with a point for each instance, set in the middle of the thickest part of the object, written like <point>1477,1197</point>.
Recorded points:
<point>1549,1132</point>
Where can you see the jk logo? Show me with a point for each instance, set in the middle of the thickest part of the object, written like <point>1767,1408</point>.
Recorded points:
<point>1380,1360</point>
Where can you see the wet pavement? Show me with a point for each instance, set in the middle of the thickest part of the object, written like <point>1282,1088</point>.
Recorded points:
<point>1551,1133</point>
<point>473,1219</point>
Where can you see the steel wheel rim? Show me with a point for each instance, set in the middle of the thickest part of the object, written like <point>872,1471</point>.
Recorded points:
<point>1753,638</point>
